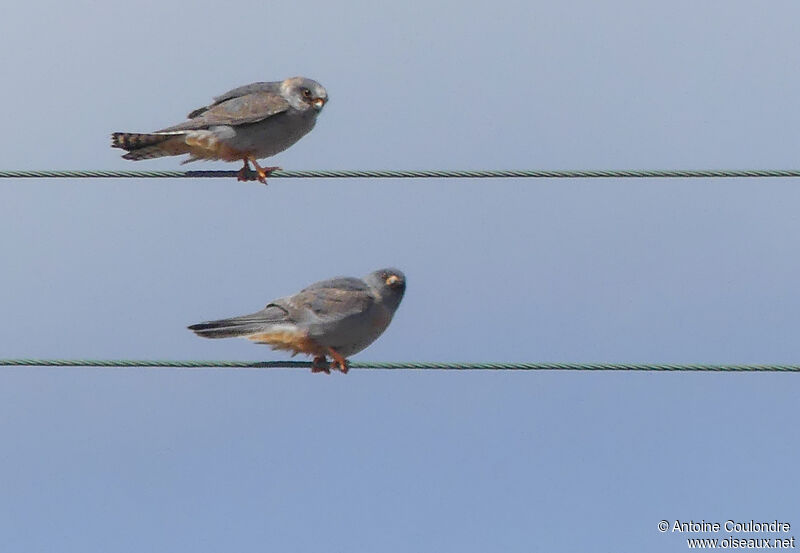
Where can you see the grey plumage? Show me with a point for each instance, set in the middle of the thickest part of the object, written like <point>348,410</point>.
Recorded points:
<point>343,313</point>
<point>250,122</point>
<point>272,87</point>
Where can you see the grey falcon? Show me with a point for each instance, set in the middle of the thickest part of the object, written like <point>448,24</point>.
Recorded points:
<point>247,123</point>
<point>337,317</point>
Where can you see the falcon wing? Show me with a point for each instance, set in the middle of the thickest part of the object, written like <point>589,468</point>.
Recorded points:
<point>329,300</point>
<point>239,110</point>
<point>273,87</point>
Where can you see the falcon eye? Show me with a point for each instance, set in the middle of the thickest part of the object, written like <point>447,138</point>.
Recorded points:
<point>306,93</point>
<point>392,280</point>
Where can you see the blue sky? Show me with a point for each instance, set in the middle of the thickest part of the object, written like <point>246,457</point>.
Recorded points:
<point>672,271</point>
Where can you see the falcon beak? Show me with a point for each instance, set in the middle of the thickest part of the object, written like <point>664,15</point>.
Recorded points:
<point>318,103</point>
<point>392,280</point>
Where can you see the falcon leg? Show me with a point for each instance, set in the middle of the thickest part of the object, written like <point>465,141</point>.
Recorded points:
<point>320,365</point>
<point>339,362</point>
<point>263,172</point>
<point>244,172</point>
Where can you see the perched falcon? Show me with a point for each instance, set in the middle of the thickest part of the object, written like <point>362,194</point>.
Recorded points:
<point>336,317</point>
<point>247,123</point>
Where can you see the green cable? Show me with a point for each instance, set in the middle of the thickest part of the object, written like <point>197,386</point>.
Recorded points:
<point>406,174</point>
<point>128,363</point>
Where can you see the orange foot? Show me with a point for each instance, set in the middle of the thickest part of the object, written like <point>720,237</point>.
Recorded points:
<point>339,362</point>
<point>244,173</point>
<point>262,173</point>
<point>320,365</point>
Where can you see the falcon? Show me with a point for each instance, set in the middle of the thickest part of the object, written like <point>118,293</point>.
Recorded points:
<point>245,124</point>
<point>337,317</point>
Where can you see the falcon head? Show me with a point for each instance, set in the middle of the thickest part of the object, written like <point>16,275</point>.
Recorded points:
<point>390,284</point>
<point>304,94</point>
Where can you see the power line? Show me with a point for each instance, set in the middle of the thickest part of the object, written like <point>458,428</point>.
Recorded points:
<point>633,174</point>
<point>131,363</point>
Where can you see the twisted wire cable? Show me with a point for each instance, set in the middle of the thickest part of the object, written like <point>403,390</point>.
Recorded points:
<point>338,174</point>
<point>375,365</point>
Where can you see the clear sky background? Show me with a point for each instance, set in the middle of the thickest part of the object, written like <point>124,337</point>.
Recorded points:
<point>672,271</point>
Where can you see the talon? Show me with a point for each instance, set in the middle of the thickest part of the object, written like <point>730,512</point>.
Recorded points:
<point>244,173</point>
<point>320,365</point>
<point>339,362</point>
<point>263,172</point>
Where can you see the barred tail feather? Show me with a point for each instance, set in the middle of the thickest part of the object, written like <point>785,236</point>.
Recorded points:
<point>134,140</point>
<point>146,145</point>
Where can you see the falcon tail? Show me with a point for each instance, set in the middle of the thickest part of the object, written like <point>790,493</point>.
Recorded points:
<point>263,321</point>
<point>145,145</point>
<point>226,328</point>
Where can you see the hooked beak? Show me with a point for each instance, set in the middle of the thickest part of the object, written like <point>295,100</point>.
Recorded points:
<point>318,103</point>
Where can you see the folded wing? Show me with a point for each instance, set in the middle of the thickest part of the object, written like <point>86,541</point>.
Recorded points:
<point>273,87</point>
<point>239,110</point>
<point>330,300</point>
